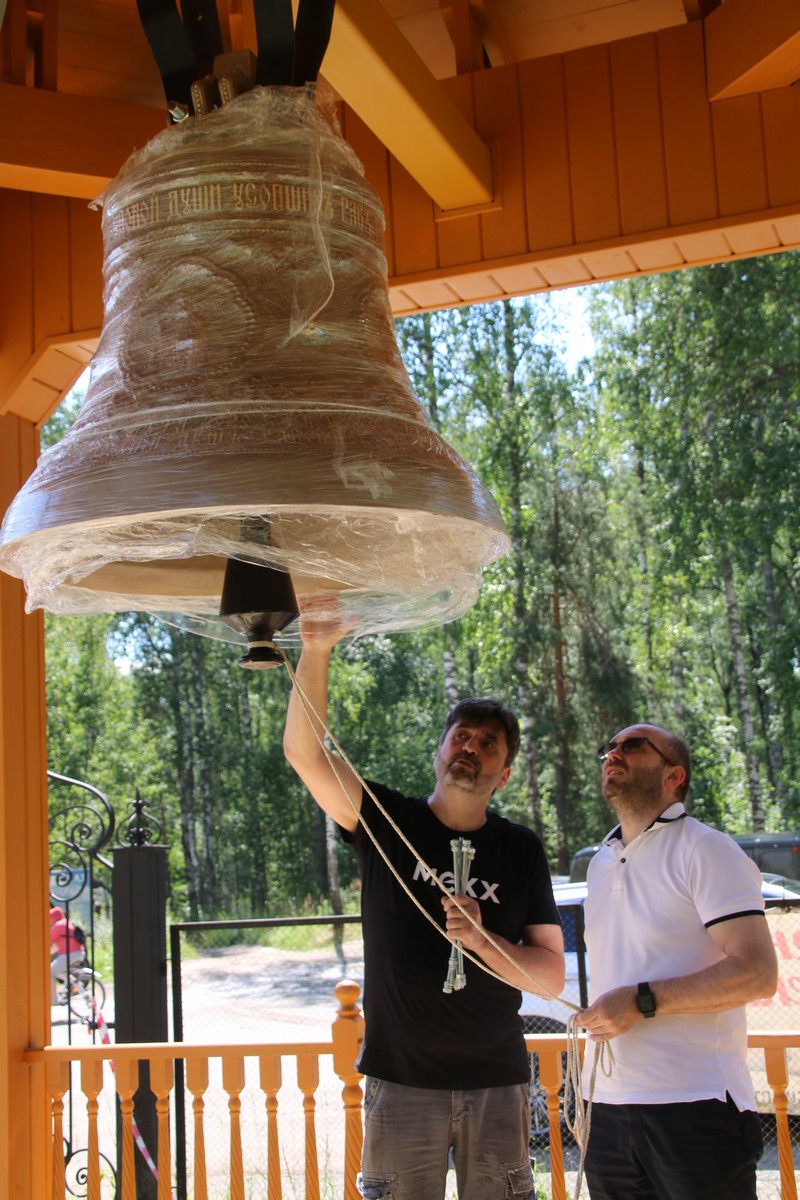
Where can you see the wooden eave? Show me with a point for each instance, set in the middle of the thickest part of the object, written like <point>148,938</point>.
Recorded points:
<point>602,162</point>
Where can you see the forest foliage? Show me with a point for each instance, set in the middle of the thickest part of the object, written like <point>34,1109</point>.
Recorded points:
<point>651,495</point>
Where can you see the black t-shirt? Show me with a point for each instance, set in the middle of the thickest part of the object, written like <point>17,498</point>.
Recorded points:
<point>415,1033</point>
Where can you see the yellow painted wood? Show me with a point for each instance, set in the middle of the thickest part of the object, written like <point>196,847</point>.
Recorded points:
<point>590,123</point>
<point>308,1082</point>
<point>778,1080</point>
<point>752,45</point>
<point>197,1083</point>
<point>58,1082</point>
<point>738,146</point>
<point>405,106</point>
<point>270,1077</point>
<point>233,1083</point>
<point>161,1082</point>
<point>67,145</point>
<point>638,136</point>
<point>25,1114</point>
<point>548,186</point>
<point>348,1032</point>
<point>127,1082</point>
<point>688,139</point>
<point>91,1086</point>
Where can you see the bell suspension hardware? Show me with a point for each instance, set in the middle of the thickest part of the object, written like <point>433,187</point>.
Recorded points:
<point>463,854</point>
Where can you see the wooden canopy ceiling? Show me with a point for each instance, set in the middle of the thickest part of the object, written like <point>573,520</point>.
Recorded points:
<point>517,146</point>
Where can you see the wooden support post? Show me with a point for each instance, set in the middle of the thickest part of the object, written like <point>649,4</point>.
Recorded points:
<point>348,1032</point>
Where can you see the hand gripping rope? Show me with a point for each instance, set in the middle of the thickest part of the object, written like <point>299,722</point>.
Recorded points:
<point>580,1126</point>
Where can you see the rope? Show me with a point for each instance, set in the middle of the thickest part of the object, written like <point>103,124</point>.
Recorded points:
<point>603,1056</point>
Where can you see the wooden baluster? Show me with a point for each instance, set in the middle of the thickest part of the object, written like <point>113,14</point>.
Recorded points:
<point>197,1083</point>
<point>778,1080</point>
<point>161,1081</point>
<point>233,1082</point>
<point>551,1075</point>
<point>348,1033</point>
<point>57,1078</point>
<point>126,1071</point>
<point>308,1082</point>
<point>270,1078</point>
<point>92,1085</point>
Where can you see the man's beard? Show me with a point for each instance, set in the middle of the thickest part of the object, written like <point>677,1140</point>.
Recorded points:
<point>469,778</point>
<point>637,793</point>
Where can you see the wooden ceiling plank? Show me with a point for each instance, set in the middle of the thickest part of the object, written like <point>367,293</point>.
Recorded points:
<point>51,267</point>
<point>395,93</point>
<point>739,153</point>
<point>34,401</point>
<point>459,240</point>
<point>497,115</point>
<point>520,280</point>
<point>788,230</point>
<point>413,228</point>
<point>639,134</point>
<point>781,111</point>
<point>431,294</point>
<point>661,255</point>
<point>476,287</point>
<point>703,247</point>
<point>86,258</point>
<point>564,272</point>
<point>609,264</point>
<point>67,145</point>
<point>751,46</point>
<point>548,191</point>
<point>401,304</point>
<point>16,293</point>
<point>759,238</point>
<point>592,145</point>
<point>688,140</point>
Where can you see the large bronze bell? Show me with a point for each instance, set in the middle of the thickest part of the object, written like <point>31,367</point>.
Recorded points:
<point>248,400</point>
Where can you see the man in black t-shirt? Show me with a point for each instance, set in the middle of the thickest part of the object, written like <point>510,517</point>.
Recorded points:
<point>446,1074</point>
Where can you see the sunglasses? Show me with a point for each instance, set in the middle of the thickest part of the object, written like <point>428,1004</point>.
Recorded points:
<point>631,745</point>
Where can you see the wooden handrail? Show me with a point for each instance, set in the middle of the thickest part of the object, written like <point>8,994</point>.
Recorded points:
<point>341,1051</point>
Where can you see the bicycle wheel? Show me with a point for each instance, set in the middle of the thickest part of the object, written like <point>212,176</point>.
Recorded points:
<point>84,994</point>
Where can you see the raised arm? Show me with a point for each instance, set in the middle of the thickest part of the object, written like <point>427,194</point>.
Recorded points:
<point>330,788</point>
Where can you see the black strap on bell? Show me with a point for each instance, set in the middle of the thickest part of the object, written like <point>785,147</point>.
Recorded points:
<point>183,46</point>
<point>290,54</point>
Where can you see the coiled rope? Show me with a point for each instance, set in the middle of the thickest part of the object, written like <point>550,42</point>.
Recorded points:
<point>580,1125</point>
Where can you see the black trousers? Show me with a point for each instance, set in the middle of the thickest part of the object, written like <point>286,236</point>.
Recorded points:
<point>701,1150</point>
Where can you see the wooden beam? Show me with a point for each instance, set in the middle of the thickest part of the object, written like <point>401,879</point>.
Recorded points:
<point>752,46</point>
<point>393,91</point>
<point>67,145</point>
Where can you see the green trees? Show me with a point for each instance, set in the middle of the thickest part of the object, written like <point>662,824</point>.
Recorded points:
<point>651,498</point>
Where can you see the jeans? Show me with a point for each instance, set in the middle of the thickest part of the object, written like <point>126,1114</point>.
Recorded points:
<point>411,1133</point>
<point>701,1150</point>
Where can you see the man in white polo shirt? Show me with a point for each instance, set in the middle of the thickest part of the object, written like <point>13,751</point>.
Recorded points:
<point>678,945</point>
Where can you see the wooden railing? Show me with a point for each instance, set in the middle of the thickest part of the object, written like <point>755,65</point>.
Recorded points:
<point>340,1053</point>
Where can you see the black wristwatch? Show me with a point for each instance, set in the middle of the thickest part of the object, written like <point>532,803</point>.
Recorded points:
<point>646,1001</point>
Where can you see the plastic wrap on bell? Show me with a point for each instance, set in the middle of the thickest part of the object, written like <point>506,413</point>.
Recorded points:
<point>248,399</point>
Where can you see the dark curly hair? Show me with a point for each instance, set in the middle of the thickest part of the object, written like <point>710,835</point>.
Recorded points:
<point>483,710</point>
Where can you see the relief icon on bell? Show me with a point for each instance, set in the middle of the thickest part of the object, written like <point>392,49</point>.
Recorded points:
<point>248,368</point>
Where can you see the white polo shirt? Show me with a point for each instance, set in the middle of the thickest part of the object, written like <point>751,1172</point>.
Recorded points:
<point>647,912</point>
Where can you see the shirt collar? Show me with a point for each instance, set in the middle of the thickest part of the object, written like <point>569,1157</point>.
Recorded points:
<point>673,813</point>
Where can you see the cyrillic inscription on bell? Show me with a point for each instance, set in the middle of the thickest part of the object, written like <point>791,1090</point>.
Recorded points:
<point>247,377</point>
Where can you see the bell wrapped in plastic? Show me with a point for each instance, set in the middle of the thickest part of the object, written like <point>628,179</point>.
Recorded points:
<point>248,400</point>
